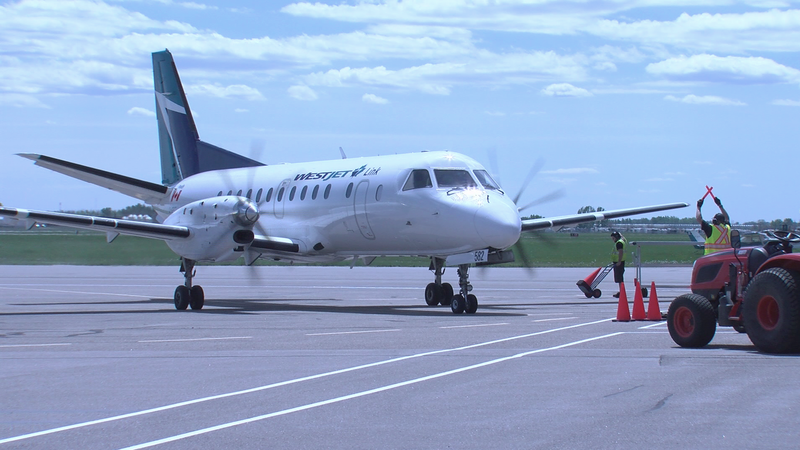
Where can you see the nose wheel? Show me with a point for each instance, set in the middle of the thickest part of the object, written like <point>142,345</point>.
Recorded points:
<point>187,295</point>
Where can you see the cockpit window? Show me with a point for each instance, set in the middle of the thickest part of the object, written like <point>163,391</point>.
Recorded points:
<point>486,180</point>
<point>453,178</point>
<point>419,178</point>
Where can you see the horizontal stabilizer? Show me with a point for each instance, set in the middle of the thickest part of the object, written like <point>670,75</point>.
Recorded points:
<point>113,226</point>
<point>145,191</point>
<point>574,219</point>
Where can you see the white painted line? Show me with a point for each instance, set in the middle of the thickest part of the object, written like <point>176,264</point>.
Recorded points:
<point>653,325</point>
<point>61,291</point>
<point>197,339</point>
<point>359,394</point>
<point>285,383</point>
<point>475,326</point>
<point>33,345</point>
<point>351,332</point>
<point>556,318</point>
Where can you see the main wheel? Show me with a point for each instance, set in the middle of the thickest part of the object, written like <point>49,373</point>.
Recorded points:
<point>458,304</point>
<point>447,296</point>
<point>182,297</point>
<point>472,304</point>
<point>691,321</point>
<point>597,293</point>
<point>198,298</point>
<point>433,294</point>
<point>771,311</point>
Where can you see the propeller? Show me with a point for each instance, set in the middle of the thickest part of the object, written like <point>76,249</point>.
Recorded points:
<point>519,249</point>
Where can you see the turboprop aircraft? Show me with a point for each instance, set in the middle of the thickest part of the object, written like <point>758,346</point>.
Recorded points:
<point>214,205</point>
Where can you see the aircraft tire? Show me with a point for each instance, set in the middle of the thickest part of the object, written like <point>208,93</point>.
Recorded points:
<point>472,304</point>
<point>447,298</point>
<point>458,304</point>
<point>433,294</point>
<point>197,298</point>
<point>182,298</point>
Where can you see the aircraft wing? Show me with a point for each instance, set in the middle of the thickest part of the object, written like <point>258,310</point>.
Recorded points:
<point>563,221</point>
<point>113,227</point>
<point>145,191</point>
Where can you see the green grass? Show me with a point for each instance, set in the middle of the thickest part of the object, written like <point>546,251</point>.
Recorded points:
<point>544,250</point>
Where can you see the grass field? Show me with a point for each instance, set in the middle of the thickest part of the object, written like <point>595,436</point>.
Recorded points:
<point>544,250</point>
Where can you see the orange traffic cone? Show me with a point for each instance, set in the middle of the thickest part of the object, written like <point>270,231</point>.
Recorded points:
<point>623,313</point>
<point>638,302</point>
<point>592,276</point>
<point>653,311</point>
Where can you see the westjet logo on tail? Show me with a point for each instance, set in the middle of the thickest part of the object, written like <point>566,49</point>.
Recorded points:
<point>325,176</point>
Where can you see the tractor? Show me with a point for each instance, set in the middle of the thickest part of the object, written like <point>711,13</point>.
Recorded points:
<point>754,289</point>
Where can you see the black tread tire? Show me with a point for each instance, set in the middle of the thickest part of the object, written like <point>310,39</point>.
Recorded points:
<point>447,297</point>
<point>458,304</point>
<point>771,311</point>
<point>472,304</point>
<point>691,321</point>
<point>197,298</point>
<point>433,294</point>
<point>182,297</point>
<point>597,293</point>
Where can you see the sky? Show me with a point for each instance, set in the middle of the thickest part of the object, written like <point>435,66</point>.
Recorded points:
<point>626,102</point>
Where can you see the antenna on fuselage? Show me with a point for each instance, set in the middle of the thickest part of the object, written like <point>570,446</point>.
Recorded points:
<point>342,152</point>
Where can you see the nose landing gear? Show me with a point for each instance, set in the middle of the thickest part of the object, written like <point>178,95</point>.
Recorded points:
<point>187,295</point>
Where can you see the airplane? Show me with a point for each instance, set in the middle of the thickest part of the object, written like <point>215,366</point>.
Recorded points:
<point>214,205</point>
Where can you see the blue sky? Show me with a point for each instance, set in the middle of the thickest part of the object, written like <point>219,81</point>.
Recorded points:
<point>628,102</point>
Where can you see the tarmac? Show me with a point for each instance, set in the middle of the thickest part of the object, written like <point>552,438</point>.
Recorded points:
<point>332,357</point>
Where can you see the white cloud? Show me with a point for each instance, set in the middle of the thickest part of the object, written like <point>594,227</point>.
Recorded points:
<point>705,100</point>
<point>372,98</point>
<point>570,171</point>
<point>565,90</point>
<point>302,92</point>
<point>22,101</point>
<point>786,102</point>
<point>727,69</point>
<point>138,111</point>
<point>235,91</point>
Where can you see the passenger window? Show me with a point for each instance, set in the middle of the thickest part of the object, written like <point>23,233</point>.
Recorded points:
<point>453,178</point>
<point>230,192</point>
<point>249,194</point>
<point>258,195</point>
<point>349,190</point>
<point>315,192</point>
<point>239,194</point>
<point>219,194</point>
<point>303,193</point>
<point>280,195</point>
<point>378,193</point>
<point>269,195</point>
<point>419,178</point>
<point>327,192</point>
<point>291,193</point>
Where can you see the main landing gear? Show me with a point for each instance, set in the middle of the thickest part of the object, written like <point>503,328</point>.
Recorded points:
<point>187,295</point>
<point>442,293</point>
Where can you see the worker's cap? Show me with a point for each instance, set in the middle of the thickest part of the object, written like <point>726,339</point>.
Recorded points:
<point>616,234</point>
<point>719,217</point>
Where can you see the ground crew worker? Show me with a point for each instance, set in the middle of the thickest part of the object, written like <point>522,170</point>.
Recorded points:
<point>718,233</point>
<point>618,258</point>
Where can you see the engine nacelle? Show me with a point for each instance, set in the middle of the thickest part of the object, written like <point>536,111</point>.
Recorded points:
<point>221,228</point>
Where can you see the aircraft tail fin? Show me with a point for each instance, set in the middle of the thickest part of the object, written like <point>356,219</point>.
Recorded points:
<point>183,154</point>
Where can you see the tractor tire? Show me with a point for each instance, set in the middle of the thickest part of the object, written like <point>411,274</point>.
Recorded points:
<point>691,321</point>
<point>771,311</point>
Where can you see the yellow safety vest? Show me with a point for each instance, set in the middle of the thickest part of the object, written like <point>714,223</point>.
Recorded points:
<point>719,240</point>
<point>615,252</point>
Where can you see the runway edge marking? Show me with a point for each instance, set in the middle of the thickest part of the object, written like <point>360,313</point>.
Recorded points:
<point>286,383</point>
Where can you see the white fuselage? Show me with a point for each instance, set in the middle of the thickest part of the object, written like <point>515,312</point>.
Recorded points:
<point>372,206</point>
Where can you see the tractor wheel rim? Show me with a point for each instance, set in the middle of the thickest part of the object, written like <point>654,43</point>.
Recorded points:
<point>684,322</point>
<point>768,312</point>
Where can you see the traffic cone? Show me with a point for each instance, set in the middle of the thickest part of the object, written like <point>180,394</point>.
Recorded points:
<point>592,276</point>
<point>638,302</point>
<point>585,285</point>
<point>623,313</point>
<point>653,311</point>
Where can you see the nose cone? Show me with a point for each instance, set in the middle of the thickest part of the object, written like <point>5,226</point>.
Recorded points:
<point>498,224</point>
